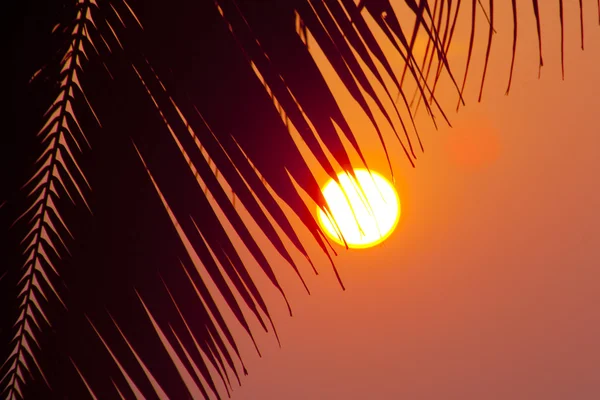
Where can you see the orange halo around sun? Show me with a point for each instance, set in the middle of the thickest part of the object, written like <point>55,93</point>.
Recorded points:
<point>366,211</point>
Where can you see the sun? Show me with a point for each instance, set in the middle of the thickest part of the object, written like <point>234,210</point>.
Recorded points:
<point>365,211</point>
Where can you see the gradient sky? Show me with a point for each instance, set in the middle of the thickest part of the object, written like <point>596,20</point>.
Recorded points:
<point>489,288</point>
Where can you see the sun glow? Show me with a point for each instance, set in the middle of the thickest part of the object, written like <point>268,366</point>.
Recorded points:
<point>365,210</point>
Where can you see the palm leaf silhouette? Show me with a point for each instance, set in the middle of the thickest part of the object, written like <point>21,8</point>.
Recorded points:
<point>131,123</point>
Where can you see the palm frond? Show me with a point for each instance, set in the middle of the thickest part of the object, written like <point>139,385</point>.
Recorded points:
<point>57,170</point>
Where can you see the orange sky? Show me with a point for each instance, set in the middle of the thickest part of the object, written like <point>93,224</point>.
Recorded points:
<point>489,287</point>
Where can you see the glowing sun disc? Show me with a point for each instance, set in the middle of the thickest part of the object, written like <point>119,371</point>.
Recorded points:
<point>366,211</point>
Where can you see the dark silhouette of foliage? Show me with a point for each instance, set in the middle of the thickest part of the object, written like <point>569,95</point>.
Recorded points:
<point>122,116</point>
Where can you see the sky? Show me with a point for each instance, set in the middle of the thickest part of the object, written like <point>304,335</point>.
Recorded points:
<point>488,288</point>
